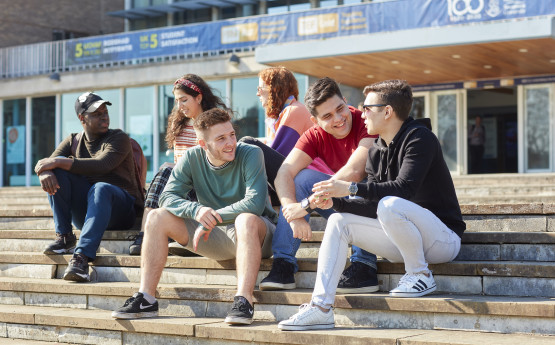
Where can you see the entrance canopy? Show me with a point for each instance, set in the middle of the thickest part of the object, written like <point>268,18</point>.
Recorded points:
<point>480,50</point>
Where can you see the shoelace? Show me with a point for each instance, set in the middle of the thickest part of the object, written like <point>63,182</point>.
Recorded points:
<point>242,307</point>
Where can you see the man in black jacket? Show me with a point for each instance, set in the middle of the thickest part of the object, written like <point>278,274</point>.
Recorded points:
<point>408,211</point>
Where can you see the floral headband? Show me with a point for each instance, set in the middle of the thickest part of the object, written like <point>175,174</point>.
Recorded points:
<point>187,83</point>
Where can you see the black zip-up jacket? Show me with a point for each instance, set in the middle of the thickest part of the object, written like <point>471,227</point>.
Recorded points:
<point>411,167</point>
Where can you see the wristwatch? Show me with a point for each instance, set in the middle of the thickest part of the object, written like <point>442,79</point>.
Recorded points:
<point>353,189</point>
<point>305,204</point>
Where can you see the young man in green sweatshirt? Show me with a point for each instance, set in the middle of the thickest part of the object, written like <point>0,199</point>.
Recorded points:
<point>233,217</point>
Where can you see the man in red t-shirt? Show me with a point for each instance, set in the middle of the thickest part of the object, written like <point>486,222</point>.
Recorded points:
<point>340,139</point>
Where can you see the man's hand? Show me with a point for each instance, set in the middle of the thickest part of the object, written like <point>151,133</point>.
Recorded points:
<point>49,182</point>
<point>301,229</point>
<point>293,211</point>
<point>208,217</point>
<point>45,164</point>
<point>200,232</point>
<point>324,204</point>
<point>331,189</point>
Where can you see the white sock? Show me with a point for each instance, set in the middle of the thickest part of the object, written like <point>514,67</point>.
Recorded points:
<point>150,299</point>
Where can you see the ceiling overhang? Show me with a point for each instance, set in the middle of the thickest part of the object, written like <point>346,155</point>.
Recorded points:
<point>523,47</point>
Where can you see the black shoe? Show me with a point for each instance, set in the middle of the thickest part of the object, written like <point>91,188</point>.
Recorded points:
<point>78,269</point>
<point>281,276</point>
<point>62,244</point>
<point>135,247</point>
<point>358,278</point>
<point>136,307</point>
<point>241,312</point>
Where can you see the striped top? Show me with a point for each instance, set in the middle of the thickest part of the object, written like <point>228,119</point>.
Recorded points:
<point>186,139</point>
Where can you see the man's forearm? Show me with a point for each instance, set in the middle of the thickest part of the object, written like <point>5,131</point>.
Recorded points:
<point>285,188</point>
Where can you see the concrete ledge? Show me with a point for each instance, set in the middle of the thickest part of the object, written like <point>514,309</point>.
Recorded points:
<point>436,303</point>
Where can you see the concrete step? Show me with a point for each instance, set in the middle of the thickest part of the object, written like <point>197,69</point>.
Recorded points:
<point>437,311</point>
<point>82,326</point>
<point>503,278</point>
<point>469,252</point>
<point>504,179</point>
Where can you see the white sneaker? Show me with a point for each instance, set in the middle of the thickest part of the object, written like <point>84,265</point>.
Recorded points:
<point>414,285</point>
<point>308,317</point>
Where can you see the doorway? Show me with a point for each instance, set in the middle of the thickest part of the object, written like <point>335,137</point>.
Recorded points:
<point>492,128</point>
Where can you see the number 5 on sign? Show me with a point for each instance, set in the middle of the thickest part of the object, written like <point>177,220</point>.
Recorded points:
<point>153,40</point>
<point>79,50</point>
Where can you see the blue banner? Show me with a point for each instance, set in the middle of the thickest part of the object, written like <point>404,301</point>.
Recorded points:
<point>298,26</point>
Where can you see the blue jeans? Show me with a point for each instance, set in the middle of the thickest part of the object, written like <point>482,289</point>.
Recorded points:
<point>285,246</point>
<point>93,208</point>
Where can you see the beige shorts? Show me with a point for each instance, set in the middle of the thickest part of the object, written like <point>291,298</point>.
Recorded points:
<point>222,242</point>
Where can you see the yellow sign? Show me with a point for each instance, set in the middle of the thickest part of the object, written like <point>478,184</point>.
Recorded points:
<point>239,33</point>
<point>318,24</point>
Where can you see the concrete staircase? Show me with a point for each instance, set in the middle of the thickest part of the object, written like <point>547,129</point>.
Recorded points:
<point>499,290</point>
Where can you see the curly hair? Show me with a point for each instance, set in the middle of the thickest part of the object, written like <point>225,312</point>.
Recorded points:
<point>177,121</point>
<point>282,84</point>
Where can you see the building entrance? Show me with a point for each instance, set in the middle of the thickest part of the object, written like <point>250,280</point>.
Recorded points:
<point>492,126</point>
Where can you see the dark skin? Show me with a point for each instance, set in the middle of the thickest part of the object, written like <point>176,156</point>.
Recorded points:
<point>95,125</point>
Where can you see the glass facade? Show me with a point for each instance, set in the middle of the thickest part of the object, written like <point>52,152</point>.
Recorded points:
<point>447,128</point>
<point>139,107</point>
<point>42,131</point>
<point>538,128</point>
<point>14,142</point>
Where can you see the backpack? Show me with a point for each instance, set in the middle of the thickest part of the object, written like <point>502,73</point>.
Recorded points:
<point>139,162</point>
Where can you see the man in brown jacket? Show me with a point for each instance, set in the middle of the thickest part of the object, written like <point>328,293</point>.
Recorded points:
<point>90,181</point>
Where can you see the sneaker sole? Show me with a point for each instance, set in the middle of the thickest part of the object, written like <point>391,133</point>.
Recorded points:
<point>120,315</point>
<point>270,286</point>
<point>412,294</point>
<point>59,251</point>
<point>305,327</point>
<point>365,289</point>
<point>235,320</point>
<point>76,277</point>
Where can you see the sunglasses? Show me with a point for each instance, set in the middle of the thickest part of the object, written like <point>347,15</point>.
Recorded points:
<point>366,107</point>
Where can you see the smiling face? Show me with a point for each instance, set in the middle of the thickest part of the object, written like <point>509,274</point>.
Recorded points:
<point>334,117</point>
<point>219,142</point>
<point>96,123</point>
<point>188,105</point>
<point>263,92</point>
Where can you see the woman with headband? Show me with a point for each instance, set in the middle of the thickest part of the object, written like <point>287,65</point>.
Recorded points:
<point>192,97</point>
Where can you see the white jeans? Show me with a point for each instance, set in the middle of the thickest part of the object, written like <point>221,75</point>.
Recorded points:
<point>403,232</point>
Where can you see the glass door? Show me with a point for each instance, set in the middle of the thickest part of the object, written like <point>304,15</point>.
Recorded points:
<point>447,125</point>
<point>537,118</point>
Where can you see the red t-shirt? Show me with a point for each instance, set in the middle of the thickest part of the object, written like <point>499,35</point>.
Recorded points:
<point>316,142</point>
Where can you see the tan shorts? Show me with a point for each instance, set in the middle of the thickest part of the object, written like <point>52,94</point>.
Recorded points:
<point>222,242</point>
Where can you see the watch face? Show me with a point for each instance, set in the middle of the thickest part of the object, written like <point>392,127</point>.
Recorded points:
<point>353,188</point>
<point>305,203</point>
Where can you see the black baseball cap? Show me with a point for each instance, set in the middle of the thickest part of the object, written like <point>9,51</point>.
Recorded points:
<point>88,103</point>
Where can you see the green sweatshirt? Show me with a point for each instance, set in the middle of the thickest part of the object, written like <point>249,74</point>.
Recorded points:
<point>239,187</point>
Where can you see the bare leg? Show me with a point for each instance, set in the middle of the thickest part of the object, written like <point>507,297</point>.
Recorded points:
<point>160,225</point>
<point>145,215</point>
<point>250,232</point>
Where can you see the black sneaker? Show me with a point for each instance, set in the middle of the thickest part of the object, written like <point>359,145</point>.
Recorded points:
<point>62,244</point>
<point>135,247</point>
<point>358,278</point>
<point>281,276</point>
<point>78,269</point>
<point>241,312</point>
<point>136,307</point>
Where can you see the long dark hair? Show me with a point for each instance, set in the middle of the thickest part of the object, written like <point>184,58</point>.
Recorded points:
<point>176,120</point>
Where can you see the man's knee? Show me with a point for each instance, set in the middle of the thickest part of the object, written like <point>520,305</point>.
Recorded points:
<point>304,182</point>
<point>388,208</point>
<point>155,218</point>
<point>247,225</point>
<point>101,190</point>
